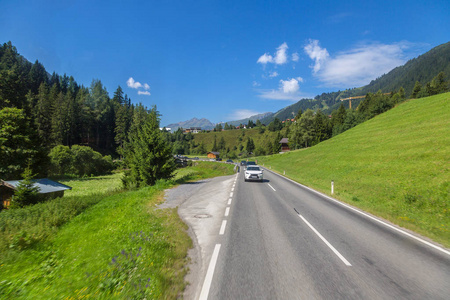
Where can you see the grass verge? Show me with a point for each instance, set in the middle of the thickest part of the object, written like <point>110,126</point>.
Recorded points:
<point>119,246</point>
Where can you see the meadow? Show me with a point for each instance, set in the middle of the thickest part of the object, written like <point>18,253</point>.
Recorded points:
<point>395,166</point>
<point>99,241</point>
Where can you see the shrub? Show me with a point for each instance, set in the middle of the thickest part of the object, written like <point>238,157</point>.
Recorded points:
<point>80,161</point>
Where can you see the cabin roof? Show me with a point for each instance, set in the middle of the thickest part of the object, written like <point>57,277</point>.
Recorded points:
<point>45,185</point>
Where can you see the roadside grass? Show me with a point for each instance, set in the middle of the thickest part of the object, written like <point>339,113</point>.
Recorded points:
<point>396,166</point>
<point>118,247</point>
<point>203,169</point>
<point>237,137</point>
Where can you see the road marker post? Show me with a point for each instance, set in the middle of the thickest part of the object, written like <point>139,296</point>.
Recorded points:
<point>332,187</point>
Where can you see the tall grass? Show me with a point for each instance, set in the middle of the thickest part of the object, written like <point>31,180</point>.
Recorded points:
<point>396,165</point>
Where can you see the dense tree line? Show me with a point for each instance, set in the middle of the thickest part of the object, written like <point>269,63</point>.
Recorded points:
<point>40,111</point>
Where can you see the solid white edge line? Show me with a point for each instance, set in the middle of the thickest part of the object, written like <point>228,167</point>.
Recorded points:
<point>222,228</point>
<point>272,187</point>
<point>227,211</point>
<point>326,242</point>
<point>368,216</point>
<point>209,274</point>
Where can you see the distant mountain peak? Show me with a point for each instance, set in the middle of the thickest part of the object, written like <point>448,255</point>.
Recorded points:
<point>203,123</point>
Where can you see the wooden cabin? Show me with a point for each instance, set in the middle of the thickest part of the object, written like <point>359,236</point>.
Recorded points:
<point>285,145</point>
<point>213,154</point>
<point>48,189</point>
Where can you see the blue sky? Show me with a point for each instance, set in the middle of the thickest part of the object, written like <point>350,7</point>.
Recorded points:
<point>223,60</point>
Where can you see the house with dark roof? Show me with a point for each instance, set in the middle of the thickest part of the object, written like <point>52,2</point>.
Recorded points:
<point>284,145</point>
<point>48,189</point>
<point>196,129</point>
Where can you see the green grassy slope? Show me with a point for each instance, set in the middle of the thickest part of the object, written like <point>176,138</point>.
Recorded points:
<point>396,165</point>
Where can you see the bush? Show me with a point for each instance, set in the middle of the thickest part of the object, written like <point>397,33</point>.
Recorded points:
<point>61,160</point>
<point>80,161</point>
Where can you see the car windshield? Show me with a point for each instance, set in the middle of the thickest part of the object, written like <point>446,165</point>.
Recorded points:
<point>251,163</point>
<point>253,169</point>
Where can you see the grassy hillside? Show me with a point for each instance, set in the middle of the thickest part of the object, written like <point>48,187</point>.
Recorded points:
<point>396,165</point>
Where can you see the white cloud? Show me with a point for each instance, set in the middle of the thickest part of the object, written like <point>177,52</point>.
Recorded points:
<point>265,58</point>
<point>295,57</point>
<point>273,74</point>
<point>288,90</point>
<point>240,114</point>
<point>133,84</point>
<point>278,95</point>
<point>280,56</point>
<point>289,86</point>
<point>355,67</point>
<point>256,83</point>
<point>316,53</point>
<point>137,85</point>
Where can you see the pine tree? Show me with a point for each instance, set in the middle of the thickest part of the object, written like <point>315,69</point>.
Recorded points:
<point>147,154</point>
<point>250,145</point>
<point>214,147</point>
<point>26,192</point>
<point>59,127</point>
<point>122,126</point>
<point>43,114</point>
<point>416,90</point>
<point>36,77</point>
<point>222,144</point>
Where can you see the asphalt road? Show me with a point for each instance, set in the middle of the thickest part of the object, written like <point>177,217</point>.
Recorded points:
<point>278,240</point>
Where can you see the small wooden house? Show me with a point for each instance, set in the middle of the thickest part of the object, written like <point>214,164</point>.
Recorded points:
<point>49,189</point>
<point>284,145</point>
<point>213,154</point>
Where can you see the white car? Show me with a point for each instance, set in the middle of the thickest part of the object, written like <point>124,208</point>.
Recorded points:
<point>253,173</point>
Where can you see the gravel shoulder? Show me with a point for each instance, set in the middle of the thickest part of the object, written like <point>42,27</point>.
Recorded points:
<point>201,206</point>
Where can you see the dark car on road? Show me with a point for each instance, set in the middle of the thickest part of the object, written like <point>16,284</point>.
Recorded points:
<point>243,163</point>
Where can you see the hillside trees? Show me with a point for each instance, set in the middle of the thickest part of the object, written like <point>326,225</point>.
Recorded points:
<point>57,111</point>
<point>17,143</point>
<point>275,125</point>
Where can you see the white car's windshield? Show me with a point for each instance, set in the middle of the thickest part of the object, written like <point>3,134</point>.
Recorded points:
<point>253,169</point>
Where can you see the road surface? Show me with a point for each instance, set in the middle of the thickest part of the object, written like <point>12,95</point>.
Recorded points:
<point>278,240</point>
